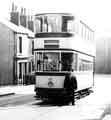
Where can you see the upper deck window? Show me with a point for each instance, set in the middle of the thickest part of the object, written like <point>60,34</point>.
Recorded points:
<point>53,23</point>
<point>66,23</point>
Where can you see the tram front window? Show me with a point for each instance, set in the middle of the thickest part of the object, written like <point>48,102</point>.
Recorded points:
<point>48,61</point>
<point>55,61</point>
<point>51,61</point>
<point>66,60</point>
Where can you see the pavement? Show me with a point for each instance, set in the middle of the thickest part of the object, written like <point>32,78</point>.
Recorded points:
<point>18,89</point>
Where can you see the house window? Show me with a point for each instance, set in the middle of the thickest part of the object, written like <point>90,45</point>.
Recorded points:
<point>32,47</point>
<point>32,65</point>
<point>25,68</point>
<point>20,44</point>
<point>20,70</point>
<point>29,67</point>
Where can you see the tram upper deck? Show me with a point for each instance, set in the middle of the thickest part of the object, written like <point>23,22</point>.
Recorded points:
<point>64,29</point>
<point>59,23</point>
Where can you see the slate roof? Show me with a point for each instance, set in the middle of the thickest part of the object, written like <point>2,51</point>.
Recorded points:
<point>15,28</point>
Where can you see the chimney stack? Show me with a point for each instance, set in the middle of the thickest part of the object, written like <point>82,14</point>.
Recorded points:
<point>15,17</point>
<point>23,18</point>
<point>31,23</point>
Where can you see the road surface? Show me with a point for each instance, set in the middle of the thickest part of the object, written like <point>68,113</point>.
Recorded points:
<point>96,106</point>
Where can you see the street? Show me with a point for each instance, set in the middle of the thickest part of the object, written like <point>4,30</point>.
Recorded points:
<point>24,106</point>
<point>19,100</point>
<point>96,106</point>
<point>15,100</point>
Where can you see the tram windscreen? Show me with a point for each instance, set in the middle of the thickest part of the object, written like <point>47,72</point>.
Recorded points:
<point>66,60</point>
<point>48,61</point>
<point>51,61</point>
<point>55,61</point>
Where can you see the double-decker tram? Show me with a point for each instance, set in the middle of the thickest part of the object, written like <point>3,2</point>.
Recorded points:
<point>64,54</point>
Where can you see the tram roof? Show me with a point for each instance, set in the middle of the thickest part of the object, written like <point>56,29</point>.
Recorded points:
<point>62,14</point>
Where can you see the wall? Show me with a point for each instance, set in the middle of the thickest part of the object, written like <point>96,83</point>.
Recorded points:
<point>103,56</point>
<point>6,55</point>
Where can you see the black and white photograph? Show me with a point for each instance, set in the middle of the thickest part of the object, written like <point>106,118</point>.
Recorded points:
<point>55,61</point>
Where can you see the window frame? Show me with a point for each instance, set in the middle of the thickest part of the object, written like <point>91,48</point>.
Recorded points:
<point>20,44</point>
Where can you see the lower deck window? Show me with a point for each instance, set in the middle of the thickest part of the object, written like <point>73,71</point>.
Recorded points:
<point>48,61</point>
<point>20,70</point>
<point>85,65</point>
<point>56,61</point>
<point>69,61</point>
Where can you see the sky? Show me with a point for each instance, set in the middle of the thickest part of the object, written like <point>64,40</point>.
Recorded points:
<point>95,13</point>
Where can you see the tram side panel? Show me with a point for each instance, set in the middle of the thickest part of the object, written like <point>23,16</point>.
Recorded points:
<point>84,80</point>
<point>85,71</point>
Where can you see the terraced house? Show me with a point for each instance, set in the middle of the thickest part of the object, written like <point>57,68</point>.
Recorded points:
<point>16,48</point>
